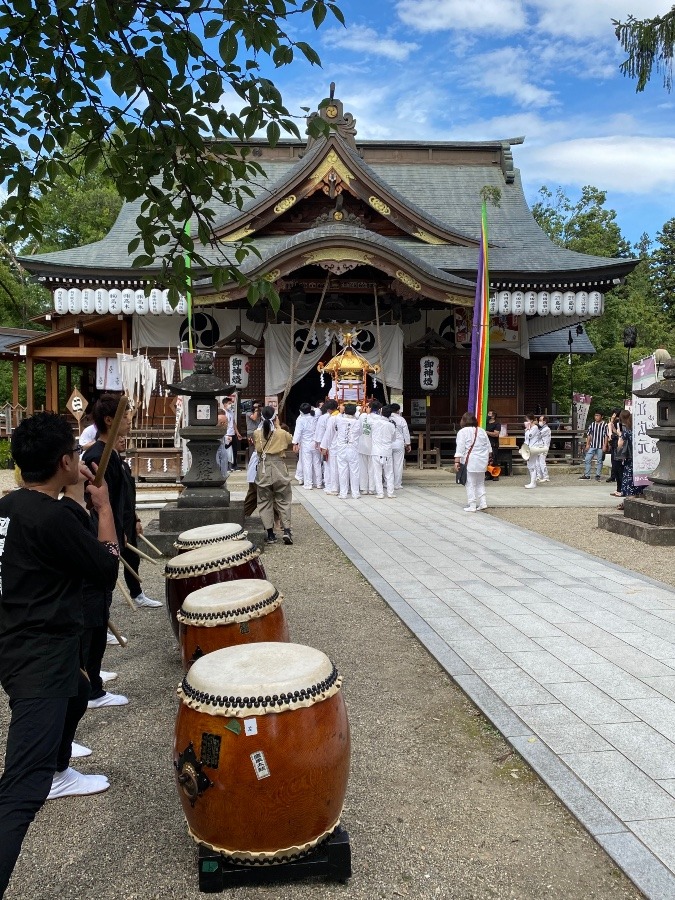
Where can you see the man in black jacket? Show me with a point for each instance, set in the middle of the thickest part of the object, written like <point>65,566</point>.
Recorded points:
<point>46,549</point>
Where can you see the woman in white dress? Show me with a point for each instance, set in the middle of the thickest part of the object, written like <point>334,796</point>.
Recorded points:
<point>473,448</point>
<point>535,441</point>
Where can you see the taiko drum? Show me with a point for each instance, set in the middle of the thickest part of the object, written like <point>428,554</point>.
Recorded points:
<point>223,615</point>
<point>208,534</point>
<point>211,564</point>
<point>262,751</point>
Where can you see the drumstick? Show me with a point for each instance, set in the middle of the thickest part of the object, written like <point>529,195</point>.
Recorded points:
<point>140,553</point>
<point>111,439</point>
<point>129,569</point>
<point>121,640</point>
<point>127,596</point>
<point>150,544</point>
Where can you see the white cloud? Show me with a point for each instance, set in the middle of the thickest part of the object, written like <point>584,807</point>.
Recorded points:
<point>494,16</point>
<point>503,73</point>
<point>366,40</point>
<point>630,164</point>
<point>583,19</point>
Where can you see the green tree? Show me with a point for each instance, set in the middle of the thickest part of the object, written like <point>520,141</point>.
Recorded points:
<point>588,227</point>
<point>79,209</point>
<point>142,85</point>
<point>663,266</point>
<point>649,44</point>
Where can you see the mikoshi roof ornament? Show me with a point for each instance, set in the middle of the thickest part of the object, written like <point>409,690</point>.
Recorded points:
<point>349,371</point>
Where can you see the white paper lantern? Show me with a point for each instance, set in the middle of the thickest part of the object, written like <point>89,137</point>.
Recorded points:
<point>155,301</point>
<point>101,301</point>
<point>556,303</point>
<point>239,371</point>
<point>492,305</point>
<point>74,301</point>
<point>88,301</point>
<point>61,301</point>
<point>429,371</point>
<point>543,303</point>
<point>128,302</point>
<point>504,301</point>
<point>115,301</point>
<point>182,307</point>
<point>517,303</point>
<point>530,303</point>
<point>581,303</point>
<point>569,303</point>
<point>167,308</point>
<point>595,303</point>
<point>141,303</point>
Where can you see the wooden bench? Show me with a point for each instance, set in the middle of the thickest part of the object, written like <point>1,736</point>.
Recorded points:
<point>427,453</point>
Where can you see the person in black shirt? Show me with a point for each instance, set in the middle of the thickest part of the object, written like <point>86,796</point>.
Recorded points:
<point>46,548</point>
<point>493,428</point>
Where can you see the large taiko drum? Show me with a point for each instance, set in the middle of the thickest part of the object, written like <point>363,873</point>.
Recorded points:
<point>262,751</point>
<point>208,534</point>
<point>212,564</point>
<point>223,615</point>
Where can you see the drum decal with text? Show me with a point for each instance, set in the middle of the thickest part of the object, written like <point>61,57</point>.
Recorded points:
<point>234,612</point>
<point>211,564</point>
<point>262,750</point>
<point>209,534</point>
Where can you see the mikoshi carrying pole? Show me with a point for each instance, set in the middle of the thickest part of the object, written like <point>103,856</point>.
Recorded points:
<point>480,332</point>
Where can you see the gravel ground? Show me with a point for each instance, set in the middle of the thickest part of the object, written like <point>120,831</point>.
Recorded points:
<point>437,806</point>
<point>578,527</point>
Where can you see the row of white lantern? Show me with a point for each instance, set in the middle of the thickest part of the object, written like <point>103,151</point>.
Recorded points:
<point>547,303</point>
<point>116,301</point>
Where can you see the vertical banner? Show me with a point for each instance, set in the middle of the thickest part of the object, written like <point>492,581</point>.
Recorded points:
<point>479,374</point>
<point>645,450</point>
<point>582,403</point>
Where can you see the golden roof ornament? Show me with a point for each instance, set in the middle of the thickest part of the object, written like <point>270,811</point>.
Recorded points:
<point>348,365</point>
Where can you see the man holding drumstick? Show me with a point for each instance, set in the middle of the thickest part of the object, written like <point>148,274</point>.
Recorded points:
<point>46,549</point>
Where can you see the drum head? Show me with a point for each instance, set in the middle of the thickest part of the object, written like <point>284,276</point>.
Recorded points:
<point>209,534</point>
<point>210,558</point>
<point>255,679</point>
<point>229,601</point>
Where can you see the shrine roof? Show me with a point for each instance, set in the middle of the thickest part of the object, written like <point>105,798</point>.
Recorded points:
<point>447,194</point>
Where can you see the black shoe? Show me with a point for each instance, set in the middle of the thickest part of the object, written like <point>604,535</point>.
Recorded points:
<point>598,478</point>
<point>584,477</point>
<point>271,539</point>
<point>288,537</point>
<point>609,480</point>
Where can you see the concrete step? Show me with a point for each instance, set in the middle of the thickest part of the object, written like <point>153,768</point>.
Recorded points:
<point>656,535</point>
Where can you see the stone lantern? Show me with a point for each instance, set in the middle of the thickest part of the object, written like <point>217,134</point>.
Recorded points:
<point>651,518</point>
<point>205,499</point>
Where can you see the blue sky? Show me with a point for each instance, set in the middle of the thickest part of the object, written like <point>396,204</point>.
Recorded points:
<point>488,69</point>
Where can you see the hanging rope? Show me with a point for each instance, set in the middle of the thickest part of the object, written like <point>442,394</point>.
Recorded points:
<point>379,345</point>
<point>294,365</point>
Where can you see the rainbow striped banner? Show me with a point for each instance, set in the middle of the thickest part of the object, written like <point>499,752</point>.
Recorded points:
<point>479,377</point>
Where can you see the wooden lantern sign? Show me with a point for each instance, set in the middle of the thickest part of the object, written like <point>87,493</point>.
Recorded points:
<point>429,373</point>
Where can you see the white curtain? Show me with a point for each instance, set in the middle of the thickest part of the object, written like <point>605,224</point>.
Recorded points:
<point>210,326</point>
<point>278,355</point>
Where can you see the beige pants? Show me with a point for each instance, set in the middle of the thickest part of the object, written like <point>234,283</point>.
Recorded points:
<point>274,490</point>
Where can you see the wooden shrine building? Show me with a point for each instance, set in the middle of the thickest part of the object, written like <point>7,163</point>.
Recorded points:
<point>387,233</point>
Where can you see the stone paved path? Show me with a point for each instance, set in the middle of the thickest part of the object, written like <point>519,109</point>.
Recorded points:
<point>570,657</point>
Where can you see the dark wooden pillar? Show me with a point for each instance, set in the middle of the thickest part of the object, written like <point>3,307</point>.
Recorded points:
<point>15,382</point>
<point>30,385</point>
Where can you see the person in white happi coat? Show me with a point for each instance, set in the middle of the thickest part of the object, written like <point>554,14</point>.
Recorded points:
<point>535,442</point>
<point>322,421</point>
<point>401,444</point>
<point>540,460</point>
<point>382,436</point>
<point>330,472</point>
<point>304,444</point>
<point>346,448</point>
<point>366,482</point>
<point>473,447</point>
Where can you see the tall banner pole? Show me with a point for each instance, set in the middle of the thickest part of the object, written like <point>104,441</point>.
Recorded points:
<point>188,278</point>
<point>480,331</point>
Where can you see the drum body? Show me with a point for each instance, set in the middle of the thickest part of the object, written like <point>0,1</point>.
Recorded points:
<point>226,614</point>
<point>261,761</point>
<point>208,534</point>
<point>195,569</point>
